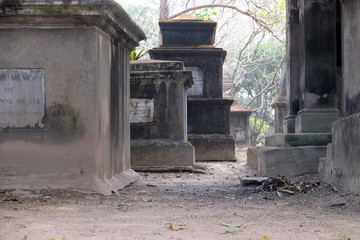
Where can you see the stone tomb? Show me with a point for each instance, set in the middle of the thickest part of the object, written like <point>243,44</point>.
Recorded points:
<point>240,125</point>
<point>191,41</point>
<point>312,92</point>
<point>64,90</point>
<point>158,116</point>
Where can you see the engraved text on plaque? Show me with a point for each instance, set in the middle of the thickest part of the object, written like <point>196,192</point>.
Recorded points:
<point>22,98</point>
<point>197,88</point>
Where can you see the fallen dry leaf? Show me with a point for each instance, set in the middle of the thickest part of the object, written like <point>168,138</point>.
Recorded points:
<point>175,229</point>
<point>284,190</point>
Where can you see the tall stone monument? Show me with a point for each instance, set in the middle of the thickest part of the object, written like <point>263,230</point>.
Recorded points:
<point>158,116</point>
<point>64,94</point>
<point>312,104</point>
<point>191,41</point>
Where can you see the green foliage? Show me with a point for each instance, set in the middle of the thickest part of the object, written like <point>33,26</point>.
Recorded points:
<point>259,129</point>
<point>136,55</point>
<point>274,16</point>
<point>206,14</point>
<point>346,237</point>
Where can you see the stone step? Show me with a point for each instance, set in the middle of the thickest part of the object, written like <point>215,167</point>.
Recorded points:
<point>298,139</point>
<point>285,161</point>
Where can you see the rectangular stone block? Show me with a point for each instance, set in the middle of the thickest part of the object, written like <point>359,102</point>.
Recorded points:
<point>22,98</point>
<point>209,116</point>
<point>213,147</point>
<point>315,120</point>
<point>342,166</point>
<point>299,139</point>
<point>161,153</point>
<point>292,161</point>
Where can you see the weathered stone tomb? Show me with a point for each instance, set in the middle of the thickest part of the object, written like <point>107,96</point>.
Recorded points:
<point>158,116</point>
<point>191,41</point>
<point>240,125</point>
<point>64,94</point>
<point>311,92</point>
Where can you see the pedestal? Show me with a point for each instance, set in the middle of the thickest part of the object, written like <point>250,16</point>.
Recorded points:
<point>316,120</point>
<point>209,129</point>
<point>158,116</point>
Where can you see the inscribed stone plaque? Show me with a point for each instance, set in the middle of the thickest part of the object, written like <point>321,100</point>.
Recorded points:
<point>239,134</point>
<point>22,98</point>
<point>141,110</point>
<point>197,88</point>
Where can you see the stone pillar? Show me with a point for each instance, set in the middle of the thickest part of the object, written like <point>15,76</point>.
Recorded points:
<point>65,74</point>
<point>280,105</point>
<point>158,116</point>
<point>280,112</point>
<point>293,66</point>
<point>191,41</point>
<point>318,94</point>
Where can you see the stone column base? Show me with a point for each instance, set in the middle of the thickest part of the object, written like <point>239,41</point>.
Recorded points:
<point>213,147</point>
<point>285,161</point>
<point>161,153</point>
<point>289,124</point>
<point>316,120</point>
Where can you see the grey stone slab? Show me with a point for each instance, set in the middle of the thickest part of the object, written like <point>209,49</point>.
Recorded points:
<point>190,32</point>
<point>291,161</point>
<point>213,147</point>
<point>315,120</point>
<point>209,116</point>
<point>152,153</point>
<point>253,181</point>
<point>155,65</point>
<point>22,98</point>
<point>342,166</point>
<point>299,139</point>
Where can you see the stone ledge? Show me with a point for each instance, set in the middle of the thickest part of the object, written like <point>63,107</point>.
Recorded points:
<point>298,139</point>
<point>152,153</point>
<point>108,15</point>
<point>285,161</point>
<point>213,147</point>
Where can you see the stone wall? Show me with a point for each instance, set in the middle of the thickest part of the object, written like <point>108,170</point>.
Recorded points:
<point>342,166</point>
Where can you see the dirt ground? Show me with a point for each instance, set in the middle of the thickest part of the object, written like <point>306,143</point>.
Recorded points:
<point>198,205</point>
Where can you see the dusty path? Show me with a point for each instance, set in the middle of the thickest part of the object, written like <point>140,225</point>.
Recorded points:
<point>193,203</point>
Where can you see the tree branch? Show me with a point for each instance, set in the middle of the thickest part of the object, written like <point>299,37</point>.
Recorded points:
<point>269,86</point>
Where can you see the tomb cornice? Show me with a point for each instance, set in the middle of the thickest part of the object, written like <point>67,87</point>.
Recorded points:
<point>107,15</point>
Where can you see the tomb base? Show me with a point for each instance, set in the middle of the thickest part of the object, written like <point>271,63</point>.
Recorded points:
<point>147,154</point>
<point>298,139</point>
<point>289,124</point>
<point>316,120</point>
<point>285,161</point>
<point>213,147</point>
